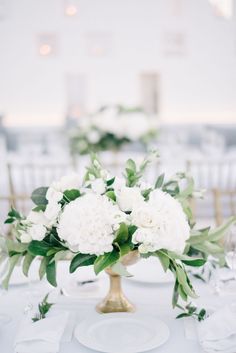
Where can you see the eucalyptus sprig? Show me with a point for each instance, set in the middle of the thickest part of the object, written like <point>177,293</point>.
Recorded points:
<point>192,311</point>
<point>43,309</point>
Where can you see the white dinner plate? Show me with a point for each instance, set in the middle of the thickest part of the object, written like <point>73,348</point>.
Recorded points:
<point>121,332</point>
<point>149,271</point>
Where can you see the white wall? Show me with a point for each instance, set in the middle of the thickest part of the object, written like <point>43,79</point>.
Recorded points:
<point>199,85</point>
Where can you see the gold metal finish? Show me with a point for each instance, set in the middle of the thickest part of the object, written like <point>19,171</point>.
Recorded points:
<point>115,301</point>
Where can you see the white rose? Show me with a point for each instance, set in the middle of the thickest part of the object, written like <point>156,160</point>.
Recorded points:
<point>52,212</point>
<point>53,195</point>
<point>105,174</point>
<point>161,222</point>
<point>98,186</point>
<point>118,184</point>
<point>37,231</point>
<point>37,218</point>
<point>91,176</point>
<point>67,182</point>
<point>144,215</point>
<point>127,197</point>
<point>25,237</point>
<point>93,136</point>
<point>82,145</point>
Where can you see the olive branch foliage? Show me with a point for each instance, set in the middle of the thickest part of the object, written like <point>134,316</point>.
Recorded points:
<point>51,249</point>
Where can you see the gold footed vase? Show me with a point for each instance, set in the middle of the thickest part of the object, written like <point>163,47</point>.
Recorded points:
<point>116,301</point>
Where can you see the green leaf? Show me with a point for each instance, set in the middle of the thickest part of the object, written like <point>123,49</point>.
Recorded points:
<point>37,247</point>
<point>130,164</point>
<point>164,259</point>
<point>209,248</point>
<point>183,315</point>
<point>26,263</point>
<point>132,229</point>
<point>9,220</point>
<point>182,292</point>
<point>197,238</point>
<point>81,260</point>
<point>124,249</point>
<point>182,279</point>
<point>43,308</point>
<point>187,260</point>
<point>120,269</point>
<point>12,263</point>
<point>122,234</point>
<point>39,196</point>
<point>51,273</point>
<point>194,262</point>
<point>71,195</point>
<point>146,193</point>
<point>111,195</point>
<point>15,247</point>
<point>189,189</point>
<point>201,315</point>
<point>175,295</point>
<point>159,181</point>
<point>110,181</point>
<point>106,260</point>
<point>43,266</point>
<point>14,214</point>
<point>62,255</point>
<point>51,252</point>
<point>219,232</point>
<point>39,208</point>
<point>54,239</point>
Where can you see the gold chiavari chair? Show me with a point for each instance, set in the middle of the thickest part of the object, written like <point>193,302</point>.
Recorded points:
<point>23,178</point>
<point>218,177</point>
<point>219,196</point>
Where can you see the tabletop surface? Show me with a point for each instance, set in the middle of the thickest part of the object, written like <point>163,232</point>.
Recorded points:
<point>153,299</point>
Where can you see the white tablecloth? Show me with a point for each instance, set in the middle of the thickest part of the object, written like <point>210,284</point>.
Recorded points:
<point>154,299</point>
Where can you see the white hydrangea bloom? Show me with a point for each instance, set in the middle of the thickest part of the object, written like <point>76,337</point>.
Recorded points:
<point>128,197</point>
<point>53,195</point>
<point>134,125</point>
<point>87,224</point>
<point>25,237</point>
<point>37,231</point>
<point>37,218</point>
<point>161,224</point>
<point>93,136</point>
<point>67,182</point>
<point>33,232</point>
<point>52,212</point>
<point>118,184</point>
<point>98,186</point>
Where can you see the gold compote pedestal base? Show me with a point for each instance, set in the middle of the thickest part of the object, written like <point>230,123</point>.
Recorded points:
<point>115,301</point>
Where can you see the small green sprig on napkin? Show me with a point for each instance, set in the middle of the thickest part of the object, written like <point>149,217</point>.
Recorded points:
<point>191,311</point>
<point>43,308</point>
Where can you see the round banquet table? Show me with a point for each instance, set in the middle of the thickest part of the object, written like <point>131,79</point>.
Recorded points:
<point>153,299</point>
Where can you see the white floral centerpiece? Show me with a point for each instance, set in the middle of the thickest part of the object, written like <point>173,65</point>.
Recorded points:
<point>104,218</point>
<point>112,128</point>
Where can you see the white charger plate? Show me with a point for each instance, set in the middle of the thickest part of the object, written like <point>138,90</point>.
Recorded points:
<point>149,271</point>
<point>121,332</point>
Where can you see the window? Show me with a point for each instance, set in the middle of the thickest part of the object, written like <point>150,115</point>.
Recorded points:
<point>223,8</point>
<point>149,83</point>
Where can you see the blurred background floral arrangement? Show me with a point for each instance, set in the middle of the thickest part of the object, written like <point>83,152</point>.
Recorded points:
<point>113,128</point>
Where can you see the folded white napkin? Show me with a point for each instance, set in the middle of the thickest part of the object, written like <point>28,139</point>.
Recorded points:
<point>43,336</point>
<point>217,333</point>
